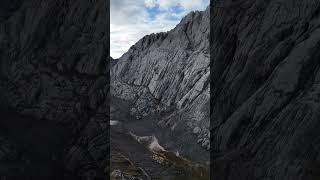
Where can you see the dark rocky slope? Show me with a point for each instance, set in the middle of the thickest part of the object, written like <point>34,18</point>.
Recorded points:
<point>265,89</point>
<point>53,89</point>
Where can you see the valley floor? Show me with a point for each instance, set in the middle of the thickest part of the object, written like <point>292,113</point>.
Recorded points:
<point>134,159</point>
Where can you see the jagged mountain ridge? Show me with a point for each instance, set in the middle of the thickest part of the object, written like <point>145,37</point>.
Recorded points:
<point>265,89</point>
<point>166,71</point>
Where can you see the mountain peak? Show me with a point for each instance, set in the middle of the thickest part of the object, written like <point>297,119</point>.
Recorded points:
<point>169,70</point>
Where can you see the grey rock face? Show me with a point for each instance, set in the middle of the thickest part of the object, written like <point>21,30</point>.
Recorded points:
<point>168,70</point>
<point>54,68</point>
<point>196,130</point>
<point>265,85</point>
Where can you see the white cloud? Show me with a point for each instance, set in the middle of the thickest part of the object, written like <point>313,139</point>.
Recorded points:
<point>150,3</point>
<point>186,4</point>
<point>130,20</point>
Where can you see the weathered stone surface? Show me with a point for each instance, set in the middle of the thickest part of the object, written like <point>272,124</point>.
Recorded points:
<point>265,86</point>
<point>167,71</point>
<point>54,68</point>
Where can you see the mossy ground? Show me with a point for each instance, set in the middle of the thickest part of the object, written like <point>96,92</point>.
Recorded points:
<point>182,169</point>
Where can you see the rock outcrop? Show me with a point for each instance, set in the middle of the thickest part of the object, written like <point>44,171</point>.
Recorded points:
<point>54,69</point>
<point>265,85</point>
<point>169,72</point>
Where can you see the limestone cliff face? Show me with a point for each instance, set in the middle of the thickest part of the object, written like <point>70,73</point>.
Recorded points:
<point>54,68</point>
<point>265,85</point>
<point>169,70</point>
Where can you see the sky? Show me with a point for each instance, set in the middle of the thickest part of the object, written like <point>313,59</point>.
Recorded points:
<point>130,20</point>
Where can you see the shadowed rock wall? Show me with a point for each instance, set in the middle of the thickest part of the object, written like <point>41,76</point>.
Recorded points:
<point>54,73</point>
<point>265,89</point>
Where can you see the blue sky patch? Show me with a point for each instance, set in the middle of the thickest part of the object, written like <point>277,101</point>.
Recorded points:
<point>174,12</point>
<point>153,11</point>
<point>177,9</point>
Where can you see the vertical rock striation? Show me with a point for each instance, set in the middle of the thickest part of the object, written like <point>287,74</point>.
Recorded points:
<point>169,71</point>
<point>265,89</point>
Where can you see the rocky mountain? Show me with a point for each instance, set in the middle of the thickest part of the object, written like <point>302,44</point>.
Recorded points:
<point>54,78</point>
<point>265,89</point>
<point>168,73</point>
